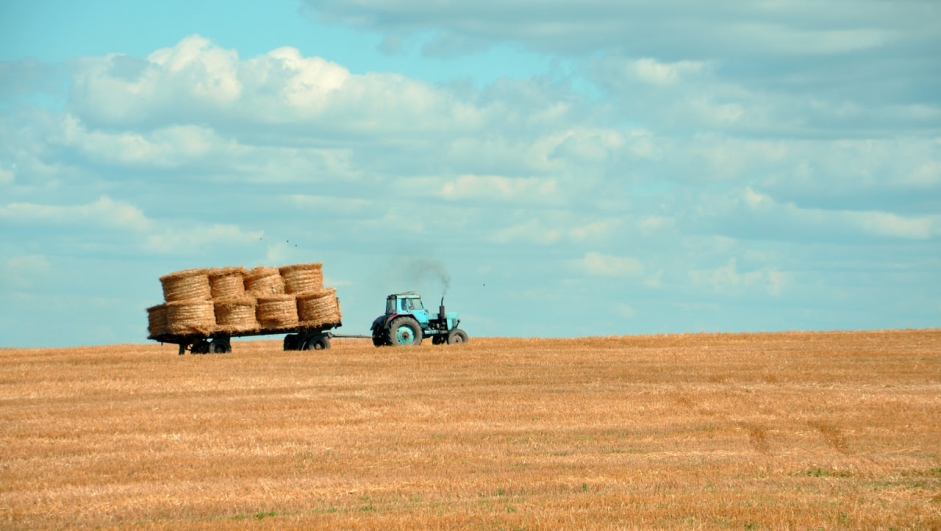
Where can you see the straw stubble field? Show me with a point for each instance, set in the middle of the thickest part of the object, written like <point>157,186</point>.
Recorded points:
<point>758,431</point>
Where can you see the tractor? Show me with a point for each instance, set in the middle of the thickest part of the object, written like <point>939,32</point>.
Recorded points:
<point>406,322</point>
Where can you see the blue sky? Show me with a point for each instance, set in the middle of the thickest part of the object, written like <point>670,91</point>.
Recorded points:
<point>571,169</point>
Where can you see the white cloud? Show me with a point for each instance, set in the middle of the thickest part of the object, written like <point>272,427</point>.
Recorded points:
<point>530,231</point>
<point>6,176</point>
<point>652,71</point>
<point>326,203</point>
<point>23,272</point>
<point>867,222</point>
<point>105,212</point>
<point>728,280</point>
<point>625,311</point>
<point>496,187</point>
<point>196,78</point>
<point>603,265</point>
<point>179,241</point>
<point>165,147</point>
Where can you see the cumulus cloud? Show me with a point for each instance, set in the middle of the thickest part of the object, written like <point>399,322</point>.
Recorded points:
<point>22,272</point>
<point>105,212</point>
<point>673,27</point>
<point>496,187</point>
<point>196,80</point>
<point>611,266</point>
<point>728,280</point>
<point>189,239</point>
<point>6,176</point>
<point>789,221</point>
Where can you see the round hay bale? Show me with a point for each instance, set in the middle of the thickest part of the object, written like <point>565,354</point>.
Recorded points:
<point>227,282</point>
<point>236,315</point>
<point>318,308</point>
<point>157,320</point>
<point>189,284</point>
<point>302,278</point>
<point>264,281</point>
<point>192,317</point>
<point>276,311</point>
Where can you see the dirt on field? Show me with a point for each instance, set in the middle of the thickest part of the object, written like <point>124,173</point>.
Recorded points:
<point>700,431</point>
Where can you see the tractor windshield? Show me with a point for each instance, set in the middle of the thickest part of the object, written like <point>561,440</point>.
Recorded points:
<point>390,307</point>
<point>414,304</point>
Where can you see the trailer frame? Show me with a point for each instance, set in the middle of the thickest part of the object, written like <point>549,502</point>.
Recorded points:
<point>218,342</point>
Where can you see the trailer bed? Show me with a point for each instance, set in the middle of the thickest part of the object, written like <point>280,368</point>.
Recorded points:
<point>218,342</point>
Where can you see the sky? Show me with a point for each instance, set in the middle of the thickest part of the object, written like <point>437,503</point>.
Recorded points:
<point>554,169</point>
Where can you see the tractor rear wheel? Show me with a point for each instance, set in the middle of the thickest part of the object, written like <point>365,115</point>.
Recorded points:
<point>457,336</point>
<point>378,336</point>
<point>403,332</point>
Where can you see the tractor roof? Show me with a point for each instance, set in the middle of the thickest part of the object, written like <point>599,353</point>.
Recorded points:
<point>406,295</point>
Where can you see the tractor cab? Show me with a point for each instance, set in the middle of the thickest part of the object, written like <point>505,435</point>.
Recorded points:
<point>405,303</point>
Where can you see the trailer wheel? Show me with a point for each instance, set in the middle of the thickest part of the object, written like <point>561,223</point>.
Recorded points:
<point>200,347</point>
<point>457,336</point>
<point>404,332</point>
<point>220,346</point>
<point>317,343</point>
<point>290,342</point>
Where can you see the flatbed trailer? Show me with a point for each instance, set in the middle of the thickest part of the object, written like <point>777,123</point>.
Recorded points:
<point>297,338</point>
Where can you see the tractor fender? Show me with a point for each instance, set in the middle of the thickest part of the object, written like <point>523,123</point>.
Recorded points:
<point>383,320</point>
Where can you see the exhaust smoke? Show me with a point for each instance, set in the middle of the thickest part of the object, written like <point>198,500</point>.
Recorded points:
<point>422,271</point>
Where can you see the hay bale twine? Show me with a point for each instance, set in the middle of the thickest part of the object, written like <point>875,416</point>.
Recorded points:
<point>276,311</point>
<point>189,284</point>
<point>227,282</point>
<point>302,278</point>
<point>318,308</point>
<point>191,317</point>
<point>157,320</point>
<point>235,315</point>
<point>264,281</point>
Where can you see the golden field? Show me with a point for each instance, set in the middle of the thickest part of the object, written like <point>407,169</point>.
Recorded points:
<point>838,430</point>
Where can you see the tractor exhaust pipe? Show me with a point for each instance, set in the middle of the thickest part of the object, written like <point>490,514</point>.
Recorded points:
<point>441,309</point>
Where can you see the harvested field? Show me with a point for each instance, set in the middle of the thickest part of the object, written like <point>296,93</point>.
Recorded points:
<point>702,431</point>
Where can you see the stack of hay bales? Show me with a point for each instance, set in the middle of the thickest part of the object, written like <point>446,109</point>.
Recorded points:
<point>157,320</point>
<point>264,281</point>
<point>234,308</point>
<point>316,306</point>
<point>188,307</point>
<point>234,300</point>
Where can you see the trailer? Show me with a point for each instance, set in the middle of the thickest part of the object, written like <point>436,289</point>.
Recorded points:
<point>296,338</point>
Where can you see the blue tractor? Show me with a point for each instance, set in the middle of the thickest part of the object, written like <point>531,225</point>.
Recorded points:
<point>406,322</point>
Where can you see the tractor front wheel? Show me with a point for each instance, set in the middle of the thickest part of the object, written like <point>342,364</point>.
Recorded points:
<point>404,332</point>
<point>457,336</point>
